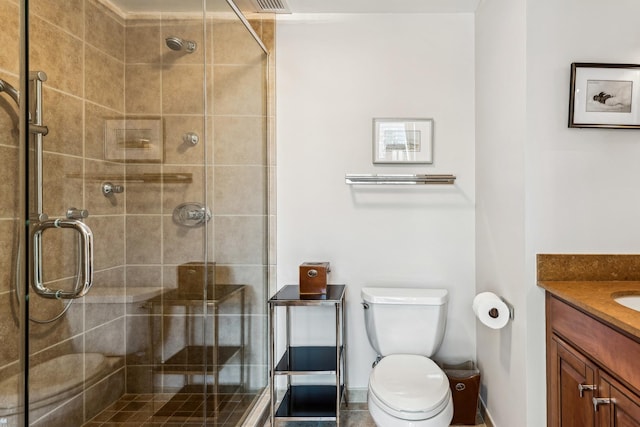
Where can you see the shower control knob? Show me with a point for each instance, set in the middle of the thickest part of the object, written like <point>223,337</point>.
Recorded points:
<point>75,213</point>
<point>191,138</point>
<point>109,188</point>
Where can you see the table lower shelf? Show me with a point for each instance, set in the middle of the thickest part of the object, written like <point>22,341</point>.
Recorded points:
<point>309,403</point>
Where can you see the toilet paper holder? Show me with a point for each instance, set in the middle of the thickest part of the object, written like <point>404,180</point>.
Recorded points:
<point>494,312</point>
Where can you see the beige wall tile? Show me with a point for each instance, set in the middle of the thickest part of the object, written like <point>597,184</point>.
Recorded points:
<point>106,339</point>
<point>108,241</point>
<point>103,30</point>
<point>9,187</point>
<point>143,89</point>
<point>58,54</point>
<point>182,91</point>
<point>104,79</point>
<point>143,197</point>
<point>9,230</point>
<point>143,240</point>
<point>240,190</point>
<point>177,151</point>
<point>68,14</point>
<point>239,140</point>
<point>240,239</point>
<point>60,190</point>
<point>59,256</point>
<point>111,278</point>
<point>143,44</point>
<point>9,37</point>
<point>144,276</point>
<point>233,44</point>
<point>94,130</point>
<point>238,90</point>
<point>175,194</point>
<point>181,244</point>
<point>9,330</point>
<point>63,115</point>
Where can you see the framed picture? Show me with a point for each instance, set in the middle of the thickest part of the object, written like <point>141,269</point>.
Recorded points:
<point>135,140</point>
<point>402,140</point>
<point>604,96</point>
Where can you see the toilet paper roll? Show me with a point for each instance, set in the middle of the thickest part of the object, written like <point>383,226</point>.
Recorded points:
<point>491,310</point>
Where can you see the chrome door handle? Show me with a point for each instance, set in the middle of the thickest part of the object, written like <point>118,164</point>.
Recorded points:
<point>597,401</point>
<point>85,258</point>
<point>583,387</point>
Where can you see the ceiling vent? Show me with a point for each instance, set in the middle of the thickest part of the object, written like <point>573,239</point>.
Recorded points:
<point>271,6</point>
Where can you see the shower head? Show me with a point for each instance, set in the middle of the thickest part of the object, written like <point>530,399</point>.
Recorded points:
<point>176,43</point>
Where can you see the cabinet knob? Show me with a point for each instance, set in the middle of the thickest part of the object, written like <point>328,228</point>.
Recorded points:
<point>583,387</point>
<point>597,401</point>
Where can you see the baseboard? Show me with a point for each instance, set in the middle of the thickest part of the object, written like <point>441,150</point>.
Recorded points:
<point>486,416</point>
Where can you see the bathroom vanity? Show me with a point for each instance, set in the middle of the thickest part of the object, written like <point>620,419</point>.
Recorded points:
<point>593,347</point>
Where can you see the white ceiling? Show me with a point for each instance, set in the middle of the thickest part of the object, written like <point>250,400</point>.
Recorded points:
<point>307,6</point>
<point>382,6</point>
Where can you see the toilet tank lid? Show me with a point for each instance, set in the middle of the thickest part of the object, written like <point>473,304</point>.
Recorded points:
<point>416,296</point>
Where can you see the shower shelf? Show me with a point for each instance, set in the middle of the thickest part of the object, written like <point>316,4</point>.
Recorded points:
<point>147,178</point>
<point>190,360</point>
<point>398,179</point>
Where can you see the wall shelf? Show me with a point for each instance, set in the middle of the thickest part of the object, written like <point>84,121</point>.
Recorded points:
<point>398,179</point>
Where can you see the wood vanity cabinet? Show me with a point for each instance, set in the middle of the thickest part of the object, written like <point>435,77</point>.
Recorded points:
<point>593,370</point>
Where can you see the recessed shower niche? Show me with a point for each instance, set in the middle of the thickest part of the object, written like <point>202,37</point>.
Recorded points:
<point>146,110</point>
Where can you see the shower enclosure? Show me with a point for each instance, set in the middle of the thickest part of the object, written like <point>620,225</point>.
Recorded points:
<point>134,212</point>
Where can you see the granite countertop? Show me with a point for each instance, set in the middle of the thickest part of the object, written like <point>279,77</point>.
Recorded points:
<point>596,298</point>
<point>591,282</point>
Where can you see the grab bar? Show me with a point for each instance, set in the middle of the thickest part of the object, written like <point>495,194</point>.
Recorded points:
<point>85,258</point>
<point>398,179</point>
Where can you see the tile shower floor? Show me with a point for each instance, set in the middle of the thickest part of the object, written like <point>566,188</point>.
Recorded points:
<point>175,410</point>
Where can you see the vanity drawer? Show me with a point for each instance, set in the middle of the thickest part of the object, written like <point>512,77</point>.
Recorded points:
<point>609,348</point>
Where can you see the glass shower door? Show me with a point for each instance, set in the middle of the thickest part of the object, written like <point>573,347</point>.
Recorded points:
<point>148,204</point>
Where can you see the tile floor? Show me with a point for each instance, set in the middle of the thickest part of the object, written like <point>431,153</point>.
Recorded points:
<point>188,410</point>
<point>357,415</point>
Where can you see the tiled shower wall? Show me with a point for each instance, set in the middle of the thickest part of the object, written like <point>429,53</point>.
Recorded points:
<point>102,65</point>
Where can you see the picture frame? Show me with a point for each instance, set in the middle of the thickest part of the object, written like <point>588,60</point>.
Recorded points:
<point>399,140</point>
<point>134,140</point>
<point>604,96</point>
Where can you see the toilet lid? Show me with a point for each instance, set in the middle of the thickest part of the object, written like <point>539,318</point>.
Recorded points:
<point>409,383</point>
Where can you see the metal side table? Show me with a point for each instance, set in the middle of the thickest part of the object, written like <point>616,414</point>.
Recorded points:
<point>308,402</point>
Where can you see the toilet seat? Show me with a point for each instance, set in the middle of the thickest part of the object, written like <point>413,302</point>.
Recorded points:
<point>409,387</point>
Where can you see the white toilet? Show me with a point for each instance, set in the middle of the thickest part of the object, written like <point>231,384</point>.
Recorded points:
<point>406,327</point>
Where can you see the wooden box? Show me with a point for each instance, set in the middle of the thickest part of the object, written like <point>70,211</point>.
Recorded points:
<point>313,278</point>
<point>191,277</point>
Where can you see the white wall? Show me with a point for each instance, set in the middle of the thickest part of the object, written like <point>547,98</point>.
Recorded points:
<point>542,187</point>
<point>582,184</point>
<point>334,74</point>
<point>500,143</point>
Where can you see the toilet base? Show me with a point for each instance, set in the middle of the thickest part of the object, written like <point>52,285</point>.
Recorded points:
<point>383,419</point>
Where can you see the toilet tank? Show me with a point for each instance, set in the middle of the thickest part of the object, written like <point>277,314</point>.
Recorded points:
<point>405,320</point>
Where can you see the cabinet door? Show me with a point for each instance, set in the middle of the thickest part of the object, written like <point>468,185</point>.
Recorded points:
<point>624,409</point>
<point>569,373</point>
